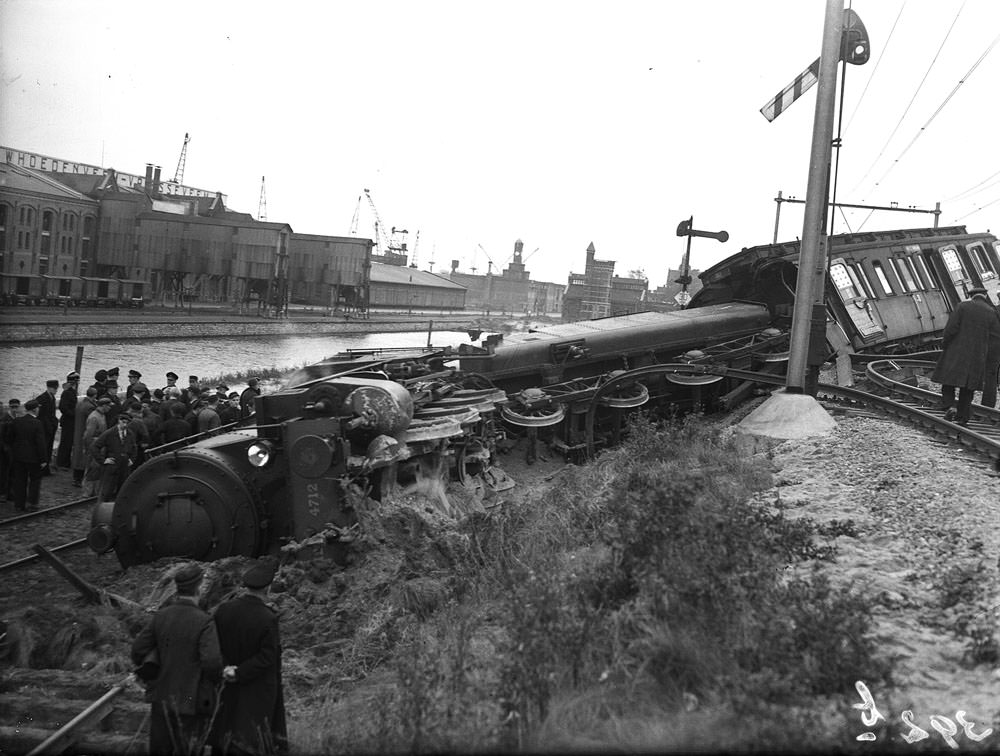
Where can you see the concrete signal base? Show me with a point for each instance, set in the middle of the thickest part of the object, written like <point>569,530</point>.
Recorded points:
<point>785,416</point>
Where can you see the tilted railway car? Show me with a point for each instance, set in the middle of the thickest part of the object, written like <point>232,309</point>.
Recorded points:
<point>886,291</point>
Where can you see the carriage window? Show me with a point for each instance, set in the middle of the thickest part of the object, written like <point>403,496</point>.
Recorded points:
<point>860,278</point>
<point>843,282</point>
<point>979,259</point>
<point>904,273</point>
<point>930,275</point>
<point>918,274</point>
<point>954,266</point>
<point>882,279</point>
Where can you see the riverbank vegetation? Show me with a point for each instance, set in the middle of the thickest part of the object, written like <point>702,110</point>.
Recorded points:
<point>644,601</point>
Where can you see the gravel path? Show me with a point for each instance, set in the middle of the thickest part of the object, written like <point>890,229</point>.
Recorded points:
<point>927,543</point>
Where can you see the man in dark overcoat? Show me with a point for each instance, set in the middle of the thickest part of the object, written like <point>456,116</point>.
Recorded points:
<point>184,669</point>
<point>116,450</point>
<point>965,358</point>
<point>67,421</point>
<point>252,712</point>
<point>28,449</point>
<point>47,415</point>
<point>7,416</point>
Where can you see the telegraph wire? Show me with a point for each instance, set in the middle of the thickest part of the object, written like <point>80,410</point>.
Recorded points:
<point>875,69</point>
<point>915,93</point>
<point>941,107</point>
<point>973,212</point>
<point>972,189</point>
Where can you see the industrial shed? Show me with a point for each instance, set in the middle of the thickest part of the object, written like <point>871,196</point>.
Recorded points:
<point>400,288</point>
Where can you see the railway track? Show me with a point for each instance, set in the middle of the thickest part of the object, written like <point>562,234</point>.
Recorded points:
<point>32,527</point>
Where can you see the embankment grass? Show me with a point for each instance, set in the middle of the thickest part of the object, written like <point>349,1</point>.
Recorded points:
<point>638,603</point>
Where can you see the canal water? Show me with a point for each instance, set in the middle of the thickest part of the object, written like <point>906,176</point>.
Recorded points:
<point>24,369</point>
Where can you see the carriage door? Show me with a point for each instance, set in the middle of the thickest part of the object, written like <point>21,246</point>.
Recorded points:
<point>984,267</point>
<point>855,300</point>
<point>960,278</point>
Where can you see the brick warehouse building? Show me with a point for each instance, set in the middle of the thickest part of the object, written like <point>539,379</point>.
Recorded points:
<point>132,238</point>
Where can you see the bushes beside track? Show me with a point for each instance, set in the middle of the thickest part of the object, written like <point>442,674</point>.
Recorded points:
<point>639,602</point>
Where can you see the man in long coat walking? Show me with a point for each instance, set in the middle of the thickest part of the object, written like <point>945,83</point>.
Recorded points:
<point>966,356</point>
<point>187,664</point>
<point>252,711</point>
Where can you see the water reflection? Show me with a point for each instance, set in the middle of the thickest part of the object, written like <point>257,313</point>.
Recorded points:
<point>24,369</point>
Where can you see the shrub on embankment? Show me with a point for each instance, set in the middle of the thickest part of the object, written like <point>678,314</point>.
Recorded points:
<point>637,603</point>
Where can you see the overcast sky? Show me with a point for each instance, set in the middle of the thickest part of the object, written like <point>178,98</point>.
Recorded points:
<point>560,123</point>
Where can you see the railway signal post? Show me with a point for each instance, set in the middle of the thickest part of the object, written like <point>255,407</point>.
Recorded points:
<point>794,413</point>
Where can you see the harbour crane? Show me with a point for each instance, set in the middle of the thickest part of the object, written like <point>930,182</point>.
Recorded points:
<point>182,160</point>
<point>413,257</point>
<point>262,205</point>
<point>380,245</point>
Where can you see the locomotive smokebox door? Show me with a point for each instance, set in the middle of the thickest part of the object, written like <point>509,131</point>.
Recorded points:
<point>316,462</point>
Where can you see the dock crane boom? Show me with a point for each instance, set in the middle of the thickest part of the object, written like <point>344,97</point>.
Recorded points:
<point>182,161</point>
<point>380,245</point>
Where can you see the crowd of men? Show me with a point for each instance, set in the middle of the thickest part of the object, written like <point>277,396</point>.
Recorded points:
<point>105,432</point>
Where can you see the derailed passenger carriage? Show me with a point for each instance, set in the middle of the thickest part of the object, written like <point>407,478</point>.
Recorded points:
<point>367,423</point>
<point>886,292</point>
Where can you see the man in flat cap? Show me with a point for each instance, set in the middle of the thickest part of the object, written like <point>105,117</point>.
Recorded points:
<point>116,450</point>
<point>972,326</point>
<point>67,421</point>
<point>251,715</point>
<point>178,653</point>
<point>28,452</point>
<point>101,382</point>
<point>249,394</point>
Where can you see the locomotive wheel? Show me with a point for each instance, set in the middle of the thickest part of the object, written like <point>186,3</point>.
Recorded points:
<point>470,460</point>
<point>540,417</point>
<point>635,395</point>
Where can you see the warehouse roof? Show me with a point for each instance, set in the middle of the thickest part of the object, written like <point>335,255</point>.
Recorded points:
<point>396,274</point>
<point>26,180</point>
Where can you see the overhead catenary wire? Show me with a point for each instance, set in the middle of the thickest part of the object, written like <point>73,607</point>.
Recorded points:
<point>941,107</point>
<point>871,78</point>
<point>910,104</point>
<point>973,212</point>
<point>974,189</point>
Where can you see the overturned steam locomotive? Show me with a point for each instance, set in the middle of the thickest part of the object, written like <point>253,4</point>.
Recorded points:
<point>369,423</point>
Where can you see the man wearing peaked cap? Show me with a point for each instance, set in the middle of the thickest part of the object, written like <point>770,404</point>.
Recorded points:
<point>183,640</point>
<point>252,701</point>
<point>26,439</point>
<point>67,421</point>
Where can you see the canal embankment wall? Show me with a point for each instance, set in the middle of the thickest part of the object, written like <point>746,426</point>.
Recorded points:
<point>22,328</point>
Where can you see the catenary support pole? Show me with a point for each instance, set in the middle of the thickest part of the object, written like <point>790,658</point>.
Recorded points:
<point>812,257</point>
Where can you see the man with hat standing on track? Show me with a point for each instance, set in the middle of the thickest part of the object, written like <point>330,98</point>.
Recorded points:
<point>964,361</point>
<point>67,421</point>
<point>81,451</point>
<point>252,710</point>
<point>116,450</point>
<point>182,673</point>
